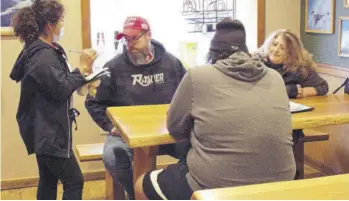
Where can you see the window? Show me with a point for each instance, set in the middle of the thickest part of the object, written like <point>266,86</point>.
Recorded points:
<point>183,26</point>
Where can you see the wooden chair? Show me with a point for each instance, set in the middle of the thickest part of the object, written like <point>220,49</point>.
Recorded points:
<point>323,188</point>
<point>114,191</point>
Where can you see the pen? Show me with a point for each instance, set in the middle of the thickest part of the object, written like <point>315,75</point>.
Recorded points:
<point>80,52</point>
<point>75,51</point>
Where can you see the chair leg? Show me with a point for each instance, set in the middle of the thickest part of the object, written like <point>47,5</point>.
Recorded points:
<point>114,190</point>
<point>298,150</point>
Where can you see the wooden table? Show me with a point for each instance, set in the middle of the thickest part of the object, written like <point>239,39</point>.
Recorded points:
<point>144,127</point>
<point>329,110</point>
<point>323,188</point>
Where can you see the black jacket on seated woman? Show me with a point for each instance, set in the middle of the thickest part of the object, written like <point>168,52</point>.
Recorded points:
<point>291,80</point>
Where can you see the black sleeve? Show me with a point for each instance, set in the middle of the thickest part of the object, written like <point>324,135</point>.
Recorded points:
<point>322,89</point>
<point>314,80</point>
<point>292,90</point>
<point>96,106</point>
<point>50,75</point>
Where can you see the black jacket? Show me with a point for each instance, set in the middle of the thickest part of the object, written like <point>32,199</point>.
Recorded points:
<point>47,85</point>
<point>291,80</point>
<point>153,83</point>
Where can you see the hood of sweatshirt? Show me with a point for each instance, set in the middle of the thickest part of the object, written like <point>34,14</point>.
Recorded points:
<point>242,67</point>
<point>19,69</point>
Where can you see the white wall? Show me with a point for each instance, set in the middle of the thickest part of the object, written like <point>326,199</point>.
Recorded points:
<point>246,12</point>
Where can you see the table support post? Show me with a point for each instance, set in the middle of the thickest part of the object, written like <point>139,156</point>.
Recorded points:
<point>298,150</point>
<point>144,160</point>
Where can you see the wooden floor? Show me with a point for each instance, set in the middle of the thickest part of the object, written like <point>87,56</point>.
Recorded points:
<point>95,190</point>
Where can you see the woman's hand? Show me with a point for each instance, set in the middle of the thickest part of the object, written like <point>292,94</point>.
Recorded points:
<point>93,87</point>
<point>82,91</point>
<point>309,91</point>
<point>306,91</point>
<point>90,88</point>
<point>87,58</point>
<point>300,91</point>
<point>115,132</point>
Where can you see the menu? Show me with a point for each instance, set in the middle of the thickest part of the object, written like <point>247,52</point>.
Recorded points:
<point>296,107</point>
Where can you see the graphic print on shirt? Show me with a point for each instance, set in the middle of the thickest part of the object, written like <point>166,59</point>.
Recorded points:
<point>146,80</point>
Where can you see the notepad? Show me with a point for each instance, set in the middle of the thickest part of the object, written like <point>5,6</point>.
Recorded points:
<point>296,107</point>
<point>98,74</point>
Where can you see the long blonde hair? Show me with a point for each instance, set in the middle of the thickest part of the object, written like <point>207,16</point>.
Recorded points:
<point>298,59</point>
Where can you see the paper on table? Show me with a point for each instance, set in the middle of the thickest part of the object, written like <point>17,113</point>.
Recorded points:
<point>296,107</point>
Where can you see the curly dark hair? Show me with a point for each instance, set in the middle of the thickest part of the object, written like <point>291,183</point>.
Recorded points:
<point>29,22</point>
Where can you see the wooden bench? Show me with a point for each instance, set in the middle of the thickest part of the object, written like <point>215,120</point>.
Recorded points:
<point>114,191</point>
<point>323,188</point>
<point>313,135</point>
<point>93,152</point>
<point>310,135</point>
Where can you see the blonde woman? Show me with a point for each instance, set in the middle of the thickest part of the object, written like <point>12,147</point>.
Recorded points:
<point>284,52</point>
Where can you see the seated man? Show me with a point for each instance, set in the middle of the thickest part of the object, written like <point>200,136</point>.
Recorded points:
<point>144,74</point>
<point>236,114</point>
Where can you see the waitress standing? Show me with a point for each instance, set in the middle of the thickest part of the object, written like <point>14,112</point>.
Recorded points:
<point>45,112</point>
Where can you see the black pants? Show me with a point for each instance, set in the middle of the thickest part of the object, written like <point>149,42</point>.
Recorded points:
<point>178,150</point>
<point>172,183</point>
<point>297,137</point>
<point>52,169</point>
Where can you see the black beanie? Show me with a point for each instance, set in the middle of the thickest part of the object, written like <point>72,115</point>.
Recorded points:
<point>230,35</point>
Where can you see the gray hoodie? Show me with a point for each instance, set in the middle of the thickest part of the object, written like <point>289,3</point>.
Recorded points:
<point>237,117</point>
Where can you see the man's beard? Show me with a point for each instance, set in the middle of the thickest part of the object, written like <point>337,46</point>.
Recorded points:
<point>140,56</point>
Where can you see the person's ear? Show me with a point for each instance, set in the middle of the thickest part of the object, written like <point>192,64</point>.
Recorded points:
<point>48,29</point>
<point>149,35</point>
<point>51,28</point>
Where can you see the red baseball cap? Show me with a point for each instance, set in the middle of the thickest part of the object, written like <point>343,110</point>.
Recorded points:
<point>132,25</point>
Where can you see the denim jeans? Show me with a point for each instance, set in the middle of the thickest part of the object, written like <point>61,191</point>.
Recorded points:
<point>118,157</point>
<point>52,169</point>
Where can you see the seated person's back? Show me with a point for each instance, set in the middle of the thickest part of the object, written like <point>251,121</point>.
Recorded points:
<point>241,131</point>
<point>236,115</point>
